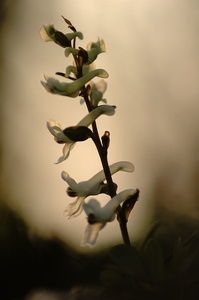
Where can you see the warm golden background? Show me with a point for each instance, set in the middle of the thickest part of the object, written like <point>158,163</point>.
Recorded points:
<point>153,61</point>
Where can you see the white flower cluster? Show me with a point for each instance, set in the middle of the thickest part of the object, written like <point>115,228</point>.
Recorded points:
<point>79,78</point>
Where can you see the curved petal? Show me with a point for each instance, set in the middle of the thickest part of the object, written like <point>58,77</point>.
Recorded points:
<point>51,85</point>
<point>83,188</point>
<point>88,68</point>
<point>71,182</point>
<point>95,113</point>
<point>71,69</point>
<point>47,33</point>
<point>100,86</point>
<point>94,49</point>
<point>92,55</point>
<point>86,188</point>
<point>91,234</point>
<point>101,74</point>
<point>70,50</point>
<point>100,45</point>
<point>125,166</point>
<point>92,207</point>
<point>72,35</point>
<point>108,210</point>
<point>56,130</point>
<point>101,214</point>
<point>75,208</point>
<point>97,91</point>
<point>66,151</point>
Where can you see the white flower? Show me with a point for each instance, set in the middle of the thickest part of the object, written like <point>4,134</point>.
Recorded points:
<point>73,69</point>
<point>70,89</point>
<point>97,91</point>
<point>56,129</point>
<point>98,216</point>
<point>90,187</point>
<point>48,34</point>
<point>93,50</point>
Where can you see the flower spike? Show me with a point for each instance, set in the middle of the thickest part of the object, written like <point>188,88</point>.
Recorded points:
<point>79,81</point>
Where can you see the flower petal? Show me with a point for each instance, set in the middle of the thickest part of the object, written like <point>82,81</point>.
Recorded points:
<point>92,207</point>
<point>72,35</point>
<point>91,234</point>
<point>71,182</point>
<point>71,69</point>
<point>70,50</point>
<point>47,33</point>
<point>83,188</point>
<point>75,208</point>
<point>100,45</point>
<point>94,49</point>
<point>66,151</point>
<point>95,113</point>
<point>56,130</point>
<point>106,213</point>
<point>125,166</point>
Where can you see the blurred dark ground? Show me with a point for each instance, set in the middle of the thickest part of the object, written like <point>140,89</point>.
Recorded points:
<point>29,262</point>
<point>162,264</point>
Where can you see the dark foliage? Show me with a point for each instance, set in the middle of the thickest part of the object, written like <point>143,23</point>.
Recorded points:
<point>160,266</point>
<point>30,262</point>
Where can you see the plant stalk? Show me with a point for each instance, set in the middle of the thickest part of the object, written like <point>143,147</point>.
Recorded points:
<point>104,160</point>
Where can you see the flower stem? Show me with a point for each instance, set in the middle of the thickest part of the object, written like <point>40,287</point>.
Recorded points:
<point>104,160</point>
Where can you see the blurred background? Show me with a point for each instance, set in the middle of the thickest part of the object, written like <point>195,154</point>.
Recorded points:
<point>153,63</point>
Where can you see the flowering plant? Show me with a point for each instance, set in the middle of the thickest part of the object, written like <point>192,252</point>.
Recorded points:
<point>78,81</point>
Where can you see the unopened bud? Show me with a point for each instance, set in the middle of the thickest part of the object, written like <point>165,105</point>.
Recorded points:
<point>128,205</point>
<point>106,140</point>
<point>69,24</point>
